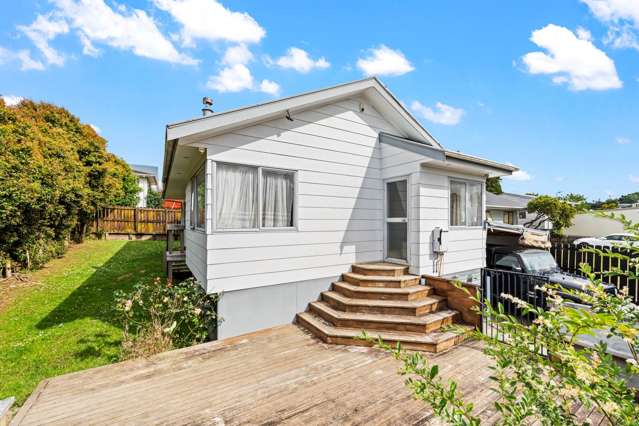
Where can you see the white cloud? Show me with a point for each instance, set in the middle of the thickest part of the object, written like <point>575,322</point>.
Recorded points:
<point>614,10</point>
<point>519,175</point>
<point>571,60</point>
<point>132,30</point>
<point>237,78</point>
<point>384,61</point>
<point>96,128</point>
<point>270,87</point>
<point>43,30</point>
<point>11,100</point>
<point>299,60</point>
<point>622,18</point>
<point>633,178</point>
<point>559,178</point>
<point>442,114</point>
<point>239,54</point>
<point>27,63</point>
<point>23,56</point>
<point>623,141</point>
<point>209,20</point>
<point>231,79</point>
<point>87,47</point>
<point>623,37</point>
<point>584,34</point>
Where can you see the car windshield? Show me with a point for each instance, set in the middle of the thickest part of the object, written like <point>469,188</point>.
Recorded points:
<point>539,261</point>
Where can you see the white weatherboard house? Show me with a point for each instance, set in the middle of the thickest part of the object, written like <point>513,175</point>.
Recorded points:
<point>283,197</point>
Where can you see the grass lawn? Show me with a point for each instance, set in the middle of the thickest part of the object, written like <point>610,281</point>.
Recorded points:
<point>65,321</point>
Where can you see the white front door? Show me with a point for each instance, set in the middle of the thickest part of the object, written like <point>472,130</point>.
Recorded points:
<point>396,232</point>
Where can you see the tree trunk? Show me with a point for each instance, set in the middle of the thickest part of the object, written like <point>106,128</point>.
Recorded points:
<point>7,269</point>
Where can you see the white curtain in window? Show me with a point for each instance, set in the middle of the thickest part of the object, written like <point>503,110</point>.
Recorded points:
<point>277,199</point>
<point>236,197</point>
<point>457,203</point>
<point>474,204</point>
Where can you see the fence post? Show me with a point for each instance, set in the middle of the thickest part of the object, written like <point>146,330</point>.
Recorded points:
<point>135,220</point>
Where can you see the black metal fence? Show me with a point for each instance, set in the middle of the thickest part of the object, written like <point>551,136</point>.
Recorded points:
<point>495,283</point>
<point>569,258</point>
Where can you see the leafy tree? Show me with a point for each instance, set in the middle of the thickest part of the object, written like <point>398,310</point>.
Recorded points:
<point>153,199</point>
<point>629,198</point>
<point>493,185</point>
<point>610,203</point>
<point>580,202</point>
<point>558,211</point>
<point>54,173</point>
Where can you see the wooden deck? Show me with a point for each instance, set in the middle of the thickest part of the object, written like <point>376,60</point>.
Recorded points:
<point>282,375</point>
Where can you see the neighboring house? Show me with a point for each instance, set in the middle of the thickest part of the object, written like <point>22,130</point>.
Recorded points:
<point>510,209</point>
<point>282,197</point>
<point>590,225</point>
<point>147,180</point>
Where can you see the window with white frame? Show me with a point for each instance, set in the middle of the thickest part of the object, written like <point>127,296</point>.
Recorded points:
<point>465,203</point>
<point>198,199</point>
<point>249,197</point>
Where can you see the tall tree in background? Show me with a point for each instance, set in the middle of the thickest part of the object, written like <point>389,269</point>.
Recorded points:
<point>558,211</point>
<point>54,173</point>
<point>493,185</point>
<point>577,200</point>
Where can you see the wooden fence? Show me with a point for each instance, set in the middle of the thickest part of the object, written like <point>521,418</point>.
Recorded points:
<point>569,257</point>
<point>133,220</point>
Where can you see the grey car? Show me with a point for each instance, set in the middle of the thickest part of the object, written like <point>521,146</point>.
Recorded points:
<point>541,263</point>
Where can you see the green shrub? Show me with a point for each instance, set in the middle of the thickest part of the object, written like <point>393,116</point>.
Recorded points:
<point>54,173</point>
<point>154,199</point>
<point>160,315</point>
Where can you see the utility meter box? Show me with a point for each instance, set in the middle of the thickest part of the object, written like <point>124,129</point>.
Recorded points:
<point>440,240</point>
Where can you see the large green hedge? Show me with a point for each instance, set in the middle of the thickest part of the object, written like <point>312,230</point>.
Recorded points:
<point>54,173</point>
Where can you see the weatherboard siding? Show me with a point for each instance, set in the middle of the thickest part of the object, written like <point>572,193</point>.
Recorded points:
<point>338,159</point>
<point>466,245</point>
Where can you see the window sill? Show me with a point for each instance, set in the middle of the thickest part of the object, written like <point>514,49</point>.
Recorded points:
<point>465,227</point>
<point>255,230</point>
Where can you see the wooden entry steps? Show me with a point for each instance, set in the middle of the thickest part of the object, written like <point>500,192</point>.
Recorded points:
<point>383,300</point>
<point>427,342</point>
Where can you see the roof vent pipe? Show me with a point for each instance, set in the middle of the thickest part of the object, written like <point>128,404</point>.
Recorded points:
<point>207,102</point>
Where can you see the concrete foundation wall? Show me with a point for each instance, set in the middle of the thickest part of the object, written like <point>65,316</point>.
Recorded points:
<point>244,311</point>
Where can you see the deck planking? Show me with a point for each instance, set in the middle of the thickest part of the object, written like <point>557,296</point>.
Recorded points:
<point>281,375</point>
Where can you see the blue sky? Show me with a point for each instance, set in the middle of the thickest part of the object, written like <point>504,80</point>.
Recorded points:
<point>552,86</point>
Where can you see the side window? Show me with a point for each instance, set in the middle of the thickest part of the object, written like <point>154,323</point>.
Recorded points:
<point>508,262</point>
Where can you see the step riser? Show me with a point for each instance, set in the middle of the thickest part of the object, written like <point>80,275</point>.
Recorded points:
<point>384,296</point>
<point>383,326</point>
<point>383,272</point>
<point>412,346</point>
<point>386,284</point>
<point>385,310</point>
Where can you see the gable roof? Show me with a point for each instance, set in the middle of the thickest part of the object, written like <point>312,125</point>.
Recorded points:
<point>183,135</point>
<point>507,200</point>
<point>144,170</point>
<point>371,88</point>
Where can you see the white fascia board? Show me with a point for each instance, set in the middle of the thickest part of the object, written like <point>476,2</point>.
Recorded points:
<point>225,121</point>
<point>371,88</point>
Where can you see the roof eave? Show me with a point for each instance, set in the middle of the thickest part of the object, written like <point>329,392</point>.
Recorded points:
<point>240,117</point>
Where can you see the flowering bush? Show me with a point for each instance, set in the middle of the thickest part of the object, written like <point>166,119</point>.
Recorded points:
<point>541,370</point>
<point>160,315</point>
